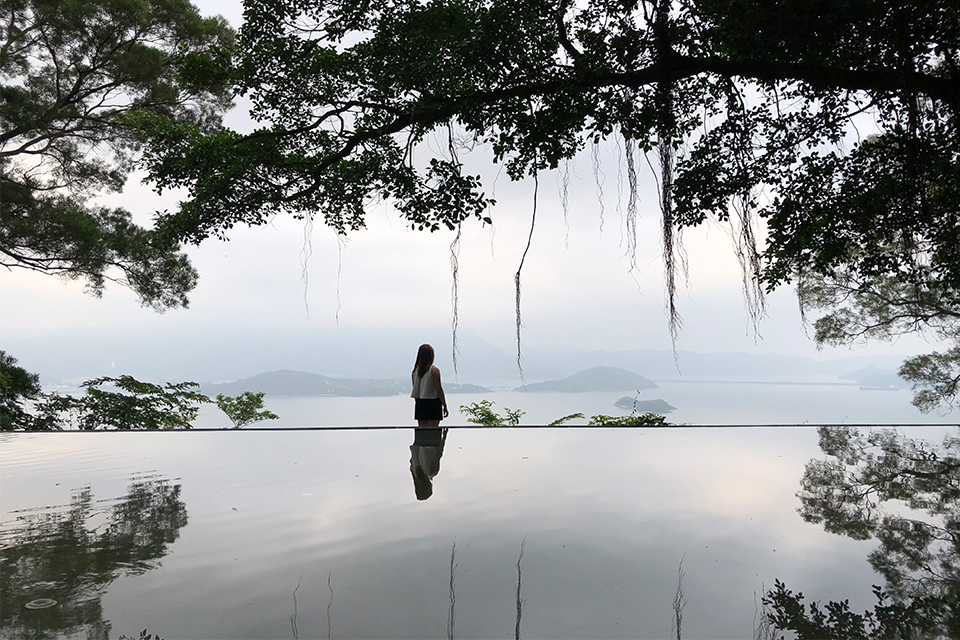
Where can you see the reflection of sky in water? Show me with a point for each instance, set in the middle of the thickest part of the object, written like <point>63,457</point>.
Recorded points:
<point>607,515</point>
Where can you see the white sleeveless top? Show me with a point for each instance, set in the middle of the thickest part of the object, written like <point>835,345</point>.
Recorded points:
<point>423,388</point>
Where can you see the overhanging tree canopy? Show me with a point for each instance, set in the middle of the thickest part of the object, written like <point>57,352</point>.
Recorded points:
<point>71,71</point>
<point>753,109</point>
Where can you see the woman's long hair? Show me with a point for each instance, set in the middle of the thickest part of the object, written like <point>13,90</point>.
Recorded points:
<point>424,360</point>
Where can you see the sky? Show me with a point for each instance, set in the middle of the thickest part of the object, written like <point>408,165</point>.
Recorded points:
<point>578,289</point>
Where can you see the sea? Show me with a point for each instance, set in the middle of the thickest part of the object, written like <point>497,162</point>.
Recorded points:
<point>698,402</point>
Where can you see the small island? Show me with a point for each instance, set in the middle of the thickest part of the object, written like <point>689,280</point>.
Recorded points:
<point>645,406</point>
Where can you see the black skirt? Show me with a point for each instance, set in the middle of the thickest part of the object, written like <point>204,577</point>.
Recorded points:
<point>428,409</point>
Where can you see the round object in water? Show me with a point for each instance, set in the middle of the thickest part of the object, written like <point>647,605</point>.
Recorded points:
<point>41,603</point>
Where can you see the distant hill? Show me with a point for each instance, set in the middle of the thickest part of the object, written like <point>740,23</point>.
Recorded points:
<point>452,387</point>
<point>860,373</point>
<point>666,365</point>
<point>645,406</point>
<point>210,351</point>
<point>875,377</point>
<point>301,383</point>
<point>595,379</point>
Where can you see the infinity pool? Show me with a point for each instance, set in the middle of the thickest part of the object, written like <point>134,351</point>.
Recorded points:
<point>386,534</point>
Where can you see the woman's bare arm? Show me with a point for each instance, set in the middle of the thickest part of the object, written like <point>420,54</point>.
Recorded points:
<point>439,388</point>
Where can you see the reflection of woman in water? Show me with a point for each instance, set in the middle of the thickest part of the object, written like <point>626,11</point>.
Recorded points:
<point>425,453</point>
<point>431,404</point>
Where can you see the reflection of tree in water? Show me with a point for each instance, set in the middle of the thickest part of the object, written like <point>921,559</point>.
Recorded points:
<point>905,493</point>
<point>73,555</point>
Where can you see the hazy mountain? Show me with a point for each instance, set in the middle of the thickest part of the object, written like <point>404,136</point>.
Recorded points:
<point>866,371</point>
<point>301,383</point>
<point>875,377</point>
<point>221,353</point>
<point>645,406</point>
<point>594,379</point>
<point>230,352</point>
<point>690,364</point>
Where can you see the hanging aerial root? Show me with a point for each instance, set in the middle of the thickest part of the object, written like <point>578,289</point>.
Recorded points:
<point>742,233</point>
<point>598,178</point>
<point>516,277</point>
<point>341,243</point>
<point>455,295</point>
<point>666,124</point>
<point>674,322</point>
<point>748,256</point>
<point>565,201</point>
<point>619,200</point>
<point>305,253</point>
<point>454,263</point>
<point>632,199</point>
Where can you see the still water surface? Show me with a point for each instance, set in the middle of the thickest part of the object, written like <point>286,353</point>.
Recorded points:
<point>697,402</point>
<point>320,534</point>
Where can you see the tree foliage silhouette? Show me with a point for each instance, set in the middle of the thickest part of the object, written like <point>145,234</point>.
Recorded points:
<point>753,111</point>
<point>71,74</point>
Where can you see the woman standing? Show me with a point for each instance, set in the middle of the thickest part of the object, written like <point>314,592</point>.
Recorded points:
<point>431,404</point>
